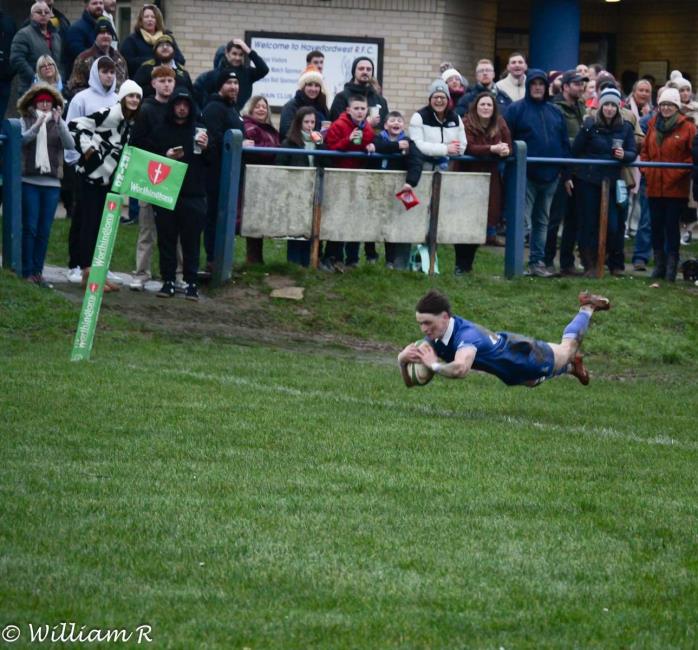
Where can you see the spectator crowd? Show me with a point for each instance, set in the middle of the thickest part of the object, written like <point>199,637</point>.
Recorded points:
<point>84,95</point>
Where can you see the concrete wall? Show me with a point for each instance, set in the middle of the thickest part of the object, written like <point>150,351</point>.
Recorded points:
<point>360,205</point>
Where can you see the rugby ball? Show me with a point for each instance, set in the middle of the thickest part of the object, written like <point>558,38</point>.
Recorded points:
<point>419,374</point>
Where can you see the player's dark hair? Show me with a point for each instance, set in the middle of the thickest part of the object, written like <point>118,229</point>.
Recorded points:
<point>395,114</point>
<point>314,54</point>
<point>434,302</point>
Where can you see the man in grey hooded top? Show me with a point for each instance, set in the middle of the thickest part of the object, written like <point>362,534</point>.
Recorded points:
<point>100,93</point>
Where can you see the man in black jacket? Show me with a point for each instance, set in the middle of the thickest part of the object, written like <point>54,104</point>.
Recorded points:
<point>178,138</point>
<point>81,34</point>
<point>151,116</point>
<point>361,84</point>
<point>232,58</point>
<point>219,115</point>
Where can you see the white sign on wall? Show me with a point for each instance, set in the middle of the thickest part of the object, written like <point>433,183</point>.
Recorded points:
<point>285,55</point>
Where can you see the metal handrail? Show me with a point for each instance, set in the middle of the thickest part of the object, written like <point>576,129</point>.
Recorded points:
<point>535,160</point>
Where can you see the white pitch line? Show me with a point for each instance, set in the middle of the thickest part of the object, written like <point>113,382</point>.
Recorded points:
<point>424,409</point>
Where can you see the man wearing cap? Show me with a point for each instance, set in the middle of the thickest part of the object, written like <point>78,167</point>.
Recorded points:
<point>539,124</point>
<point>163,54</point>
<point>102,47</point>
<point>232,58</point>
<point>361,84</point>
<point>220,114</point>
<point>151,116</point>
<point>81,34</point>
<point>569,103</point>
<point>484,75</point>
<point>514,84</point>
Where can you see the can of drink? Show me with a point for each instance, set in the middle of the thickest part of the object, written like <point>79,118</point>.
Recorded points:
<point>197,131</point>
<point>617,143</point>
<point>357,139</point>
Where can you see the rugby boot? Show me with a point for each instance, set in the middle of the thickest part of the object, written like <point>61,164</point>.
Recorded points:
<point>599,303</point>
<point>579,371</point>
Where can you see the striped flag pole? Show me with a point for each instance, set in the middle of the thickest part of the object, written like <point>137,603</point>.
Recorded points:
<point>91,303</point>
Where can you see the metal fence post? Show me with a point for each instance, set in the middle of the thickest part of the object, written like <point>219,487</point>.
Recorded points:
<point>12,196</point>
<point>515,205</point>
<point>231,167</point>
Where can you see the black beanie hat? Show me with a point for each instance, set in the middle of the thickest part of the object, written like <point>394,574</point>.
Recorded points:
<point>356,62</point>
<point>224,75</point>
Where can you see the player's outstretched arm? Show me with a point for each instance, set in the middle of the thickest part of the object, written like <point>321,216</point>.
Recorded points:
<point>456,369</point>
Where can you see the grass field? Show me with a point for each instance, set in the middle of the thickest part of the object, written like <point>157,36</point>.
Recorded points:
<point>293,494</point>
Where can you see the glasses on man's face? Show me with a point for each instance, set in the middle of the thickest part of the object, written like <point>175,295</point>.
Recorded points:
<point>666,105</point>
<point>39,12</point>
<point>483,70</point>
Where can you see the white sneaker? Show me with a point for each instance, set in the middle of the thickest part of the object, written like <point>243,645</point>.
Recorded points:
<point>138,283</point>
<point>180,286</point>
<point>113,278</point>
<point>75,275</point>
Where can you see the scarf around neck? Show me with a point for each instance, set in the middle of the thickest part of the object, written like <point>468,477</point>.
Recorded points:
<point>150,38</point>
<point>41,159</point>
<point>663,126</point>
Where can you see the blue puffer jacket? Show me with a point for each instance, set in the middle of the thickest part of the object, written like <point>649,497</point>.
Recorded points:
<point>541,126</point>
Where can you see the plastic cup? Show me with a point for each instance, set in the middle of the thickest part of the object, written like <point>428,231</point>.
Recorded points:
<point>197,146</point>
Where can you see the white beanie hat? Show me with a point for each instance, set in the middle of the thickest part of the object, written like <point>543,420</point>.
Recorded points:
<point>680,81</point>
<point>451,72</point>
<point>128,88</point>
<point>669,96</point>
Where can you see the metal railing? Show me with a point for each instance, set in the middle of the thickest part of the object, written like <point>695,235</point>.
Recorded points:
<point>231,167</point>
<point>514,194</point>
<point>11,150</point>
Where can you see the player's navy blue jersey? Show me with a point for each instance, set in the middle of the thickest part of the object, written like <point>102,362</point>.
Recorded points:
<point>513,358</point>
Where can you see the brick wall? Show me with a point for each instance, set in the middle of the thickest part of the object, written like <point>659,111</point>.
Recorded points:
<point>418,34</point>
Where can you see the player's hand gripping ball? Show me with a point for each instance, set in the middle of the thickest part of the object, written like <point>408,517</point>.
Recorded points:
<point>418,373</point>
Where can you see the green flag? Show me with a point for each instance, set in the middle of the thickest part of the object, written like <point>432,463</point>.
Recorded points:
<point>82,345</point>
<point>149,177</point>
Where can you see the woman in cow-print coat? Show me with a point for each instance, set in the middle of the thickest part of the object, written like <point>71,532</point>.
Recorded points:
<point>100,139</point>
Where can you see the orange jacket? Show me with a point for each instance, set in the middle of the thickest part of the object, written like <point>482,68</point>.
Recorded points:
<point>676,147</point>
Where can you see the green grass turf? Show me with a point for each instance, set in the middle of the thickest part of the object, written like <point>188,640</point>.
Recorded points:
<point>232,495</point>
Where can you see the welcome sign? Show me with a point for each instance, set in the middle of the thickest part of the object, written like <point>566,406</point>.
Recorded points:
<point>149,177</point>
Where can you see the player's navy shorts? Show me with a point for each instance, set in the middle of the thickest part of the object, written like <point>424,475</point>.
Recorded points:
<point>518,360</point>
